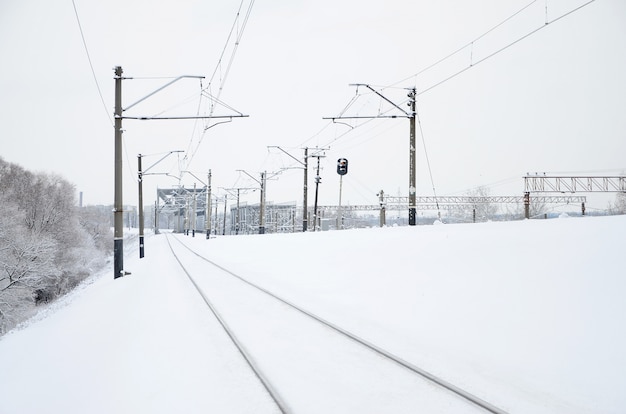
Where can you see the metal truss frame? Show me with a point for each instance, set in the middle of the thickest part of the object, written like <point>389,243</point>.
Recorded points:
<point>279,218</point>
<point>556,184</point>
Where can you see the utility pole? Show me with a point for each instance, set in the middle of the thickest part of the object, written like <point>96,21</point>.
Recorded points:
<point>305,210</point>
<point>156,216</point>
<point>208,207</point>
<point>305,164</point>
<point>195,212</point>
<point>263,186</point>
<point>412,181</point>
<point>224,226</point>
<point>262,206</point>
<point>118,209</point>
<point>381,200</point>
<point>186,222</point>
<point>318,179</point>
<point>217,223</point>
<point>207,215</point>
<point>412,159</point>
<point>141,173</point>
<point>238,217</point>
<point>140,178</point>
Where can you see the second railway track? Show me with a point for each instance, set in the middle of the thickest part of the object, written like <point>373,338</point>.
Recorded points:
<point>308,364</point>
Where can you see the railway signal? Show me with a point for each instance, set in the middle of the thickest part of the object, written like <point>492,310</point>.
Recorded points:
<point>342,166</point>
<point>342,169</point>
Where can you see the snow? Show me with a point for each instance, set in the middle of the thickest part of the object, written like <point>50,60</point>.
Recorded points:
<point>528,315</point>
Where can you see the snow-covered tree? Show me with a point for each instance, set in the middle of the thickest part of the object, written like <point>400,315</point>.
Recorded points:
<point>26,265</point>
<point>484,211</point>
<point>44,249</point>
<point>620,204</point>
<point>95,221</point>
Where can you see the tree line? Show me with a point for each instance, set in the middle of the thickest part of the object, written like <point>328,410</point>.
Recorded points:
<point>48,245</point>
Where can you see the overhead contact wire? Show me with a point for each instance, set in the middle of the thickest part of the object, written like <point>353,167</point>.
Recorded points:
<point>532,32</point>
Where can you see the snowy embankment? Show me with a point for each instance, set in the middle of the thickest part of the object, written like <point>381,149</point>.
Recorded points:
<point>528,315</point>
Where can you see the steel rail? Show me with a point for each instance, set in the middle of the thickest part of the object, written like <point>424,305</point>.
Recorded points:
<point>245,354</point>
<point>415,369</point>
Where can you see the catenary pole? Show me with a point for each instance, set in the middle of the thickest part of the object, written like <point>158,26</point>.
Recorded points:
<point>305,164</point>
<point>118,210</point>
<point>140,178</point>
<point>318,179</point>
<point>195,212</point>
<point>238,216</point>
<point>412,159</point>
<point>217,220</point>
<point>263,185</point>
<point>412,162</point>
<point>262,204</point>
<point>305,212</point>
<point>156,216</point>
<point>208,207</point>
<point>224,225</point>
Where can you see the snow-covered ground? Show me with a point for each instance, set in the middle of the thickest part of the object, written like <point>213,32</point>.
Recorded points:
<point>529,315</point>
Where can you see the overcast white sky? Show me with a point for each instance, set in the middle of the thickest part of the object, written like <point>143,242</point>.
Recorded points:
<point>554,102</point>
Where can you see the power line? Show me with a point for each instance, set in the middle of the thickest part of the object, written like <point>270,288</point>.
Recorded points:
<point>90,64</point>
<point>454,75</point>
<point>498,51</point>
<point>232,29</point>
<point>430,171</point>
<point>466,45</point>
<point>438,62</point>
<point>206,91</point>
<point>130,169</point>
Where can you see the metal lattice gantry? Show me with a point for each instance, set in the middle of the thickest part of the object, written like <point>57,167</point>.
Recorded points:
<point>570,184</point>
<point>556,184</point>
<point>453,203</point>
<point>279,218</point>
<point>182,202</point>
<point>428,202</point>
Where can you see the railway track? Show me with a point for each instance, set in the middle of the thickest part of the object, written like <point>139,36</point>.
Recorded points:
<point>321,367</point>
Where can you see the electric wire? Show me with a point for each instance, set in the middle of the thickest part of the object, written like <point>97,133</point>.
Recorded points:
<point>498,51</point>
<point>430,171</point>
<point>471,65</point>
<point>182,102</point>
<point>195,124</point>
<point>367,121</point>
<point>236,46</point>
<point>389,127</point>
<point>329,123</point>
<point>93,72</point>
<point>353,182</point>
<point>232,29</point>
<point>471,43</point>
<point>216,99</point>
